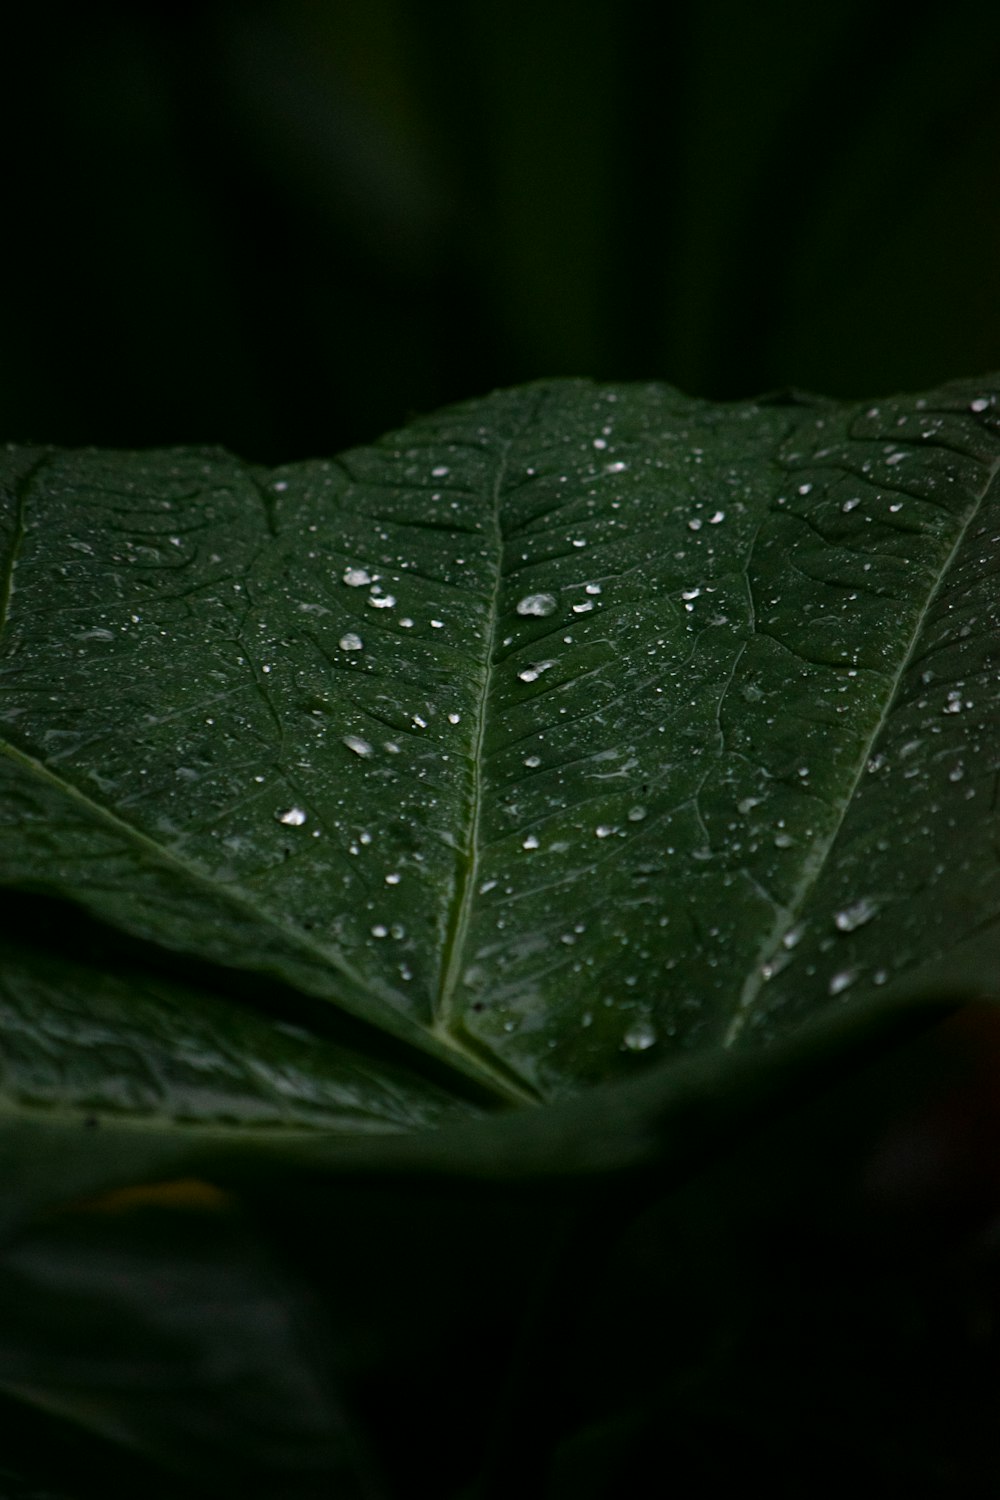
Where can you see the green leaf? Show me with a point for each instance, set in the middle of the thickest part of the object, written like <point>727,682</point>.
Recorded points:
<point>566,733</point>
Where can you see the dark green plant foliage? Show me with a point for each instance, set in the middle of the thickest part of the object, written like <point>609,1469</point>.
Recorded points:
<point>488,852</point>
<point>284,226</point>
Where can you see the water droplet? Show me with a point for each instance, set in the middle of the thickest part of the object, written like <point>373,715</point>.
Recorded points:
<point>855,915</point>
<point>783,841</point>
<point>600,442</point>
<point>640,1036</point>
<point>356,577</point>
<point>584,608</point>
<point>842,981</point>
<point>357,744</point>
<point>851,504</point>
<point>616,468</point>
<point>981,403</point>
<point>536,604</point>
<point>804,489</point>
<point>694,524</point>
<point>380,930</point>
<point>437,624</point>
<point>532,673</point>
<point>531,842</point>
<point>954,704</point>
<point>393,878</point>
<point>720,515</point>
<point>592,588</point>
<point>294,817</point>
<point>636,814</point>
<point>690,593</point>
<point>351,642</point>
<point>440,472</point>
<point>793,936</point>
<point>531,761</point>
<point>397,930</point>
<point>454,718</point>
<point>604,830</point>
<point>382,601</point>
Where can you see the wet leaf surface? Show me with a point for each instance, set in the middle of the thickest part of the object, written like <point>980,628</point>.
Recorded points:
<point>565,733</point>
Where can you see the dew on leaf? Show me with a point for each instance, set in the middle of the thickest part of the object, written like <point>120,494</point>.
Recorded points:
<point>536,604</point>
<point>355,578</point>
<point>855,915</point>
<point>592,588</point>
<point>357,744</point>
<point>351,642</point>
<point>640,1036</point>
<point>294,817</point>
<point>531,761</point>
<point>382,601</point>
<point>636,814</point>
<point>842,981</point>
<point>531,842</point>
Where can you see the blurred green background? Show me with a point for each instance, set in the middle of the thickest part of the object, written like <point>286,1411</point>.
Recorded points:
<point>286,225</point>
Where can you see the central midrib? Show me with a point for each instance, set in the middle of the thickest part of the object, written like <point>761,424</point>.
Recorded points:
<point>816,863</point>
<point>467,875</point>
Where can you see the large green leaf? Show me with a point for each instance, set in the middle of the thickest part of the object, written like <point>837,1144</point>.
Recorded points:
<point>568,732</point>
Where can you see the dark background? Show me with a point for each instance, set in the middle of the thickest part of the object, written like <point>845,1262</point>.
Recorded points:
<point>286,226</point>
